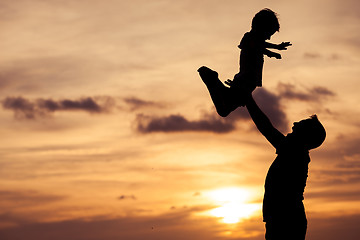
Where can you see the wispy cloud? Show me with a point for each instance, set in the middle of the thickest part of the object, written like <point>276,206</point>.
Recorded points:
<point>123,197</point>
<point>26,198</point>
<point>135,103</point>
<point>24,108</point>
<point>316,93</point>
<point>334,227</point>
<point>175,224</point>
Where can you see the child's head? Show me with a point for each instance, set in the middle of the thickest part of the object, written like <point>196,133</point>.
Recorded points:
<point>265,22</point>
<point>310,132</point>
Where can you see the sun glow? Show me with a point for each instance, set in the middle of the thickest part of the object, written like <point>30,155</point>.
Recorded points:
<point>234,206</point>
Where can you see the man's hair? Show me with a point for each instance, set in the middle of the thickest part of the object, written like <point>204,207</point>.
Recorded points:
<point>267,20</point>
<point>316,132</point>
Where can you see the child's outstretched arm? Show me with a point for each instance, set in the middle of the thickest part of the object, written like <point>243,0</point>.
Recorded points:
<point>281,46</point>
<point>271,54</point>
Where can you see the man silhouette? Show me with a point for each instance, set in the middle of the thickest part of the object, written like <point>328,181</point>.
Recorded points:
<point>283,209</point>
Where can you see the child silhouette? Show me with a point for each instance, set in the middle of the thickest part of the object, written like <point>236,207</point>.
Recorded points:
<point>253,48</point>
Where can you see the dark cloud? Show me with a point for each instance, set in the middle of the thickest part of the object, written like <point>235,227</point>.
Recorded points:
<point>271,105</point>
<point>212,122</point>
<point>25,108</point>
<point>269,102</point>
<point>317,93</point>
<point>178,123</point>
<point>21,107</point>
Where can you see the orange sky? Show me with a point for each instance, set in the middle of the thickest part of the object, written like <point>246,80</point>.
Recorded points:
<point>109,133</point>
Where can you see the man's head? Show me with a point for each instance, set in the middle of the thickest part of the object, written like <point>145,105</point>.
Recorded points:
<point>310,132</point>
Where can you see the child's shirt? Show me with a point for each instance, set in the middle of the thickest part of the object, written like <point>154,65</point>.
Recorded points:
<point>252,58</point>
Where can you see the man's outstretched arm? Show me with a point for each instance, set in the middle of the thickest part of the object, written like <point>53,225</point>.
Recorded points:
<point>263,123</point>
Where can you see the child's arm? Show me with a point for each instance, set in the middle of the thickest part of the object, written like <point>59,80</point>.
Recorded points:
<point>281,46</point>
<point>263,123</point>
<point>272,54</point>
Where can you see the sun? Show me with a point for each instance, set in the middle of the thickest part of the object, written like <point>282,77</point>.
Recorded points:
<point>234,206</point>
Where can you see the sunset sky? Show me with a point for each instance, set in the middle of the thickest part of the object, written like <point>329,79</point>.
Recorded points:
<point>109,133</point>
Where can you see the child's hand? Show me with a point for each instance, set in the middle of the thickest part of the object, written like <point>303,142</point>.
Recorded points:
<point>284,45</point>
<point>277,55</point>
<point>273,54</point>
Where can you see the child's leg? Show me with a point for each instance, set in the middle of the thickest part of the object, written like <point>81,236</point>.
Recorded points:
<point>221,96</point>
<point>242,86</point>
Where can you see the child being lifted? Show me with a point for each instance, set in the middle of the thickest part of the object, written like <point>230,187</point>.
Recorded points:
<point>253,48</point>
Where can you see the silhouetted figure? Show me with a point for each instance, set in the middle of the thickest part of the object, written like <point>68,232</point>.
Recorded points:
<point>253,47</point>
<point>283,209</point>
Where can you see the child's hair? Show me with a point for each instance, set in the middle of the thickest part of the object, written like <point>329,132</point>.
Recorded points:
<point>265,20</point>
<point>315,132</point>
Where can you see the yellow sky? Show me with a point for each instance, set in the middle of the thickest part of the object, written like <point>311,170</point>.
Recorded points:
<point>107,126</point>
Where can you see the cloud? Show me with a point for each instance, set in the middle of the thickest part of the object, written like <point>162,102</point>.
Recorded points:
<point>136,103</point>
<point>178,123</point>
<point>197,194</point>
<point>26,198</point>
<point>317,56</point>
<point>175,225</point>
<point>211,122</point>
<point>44,74</point>
<point>334,227</point>
<point>312,55</point>
<point>123,197</point>
<point>26,109</point>
<point>337,163</point>
<point>316,94</point>
<point>271,105</point>
<point>334,195</point>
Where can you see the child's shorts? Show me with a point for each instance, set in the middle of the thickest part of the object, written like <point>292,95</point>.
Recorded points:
<point>245,82</point>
